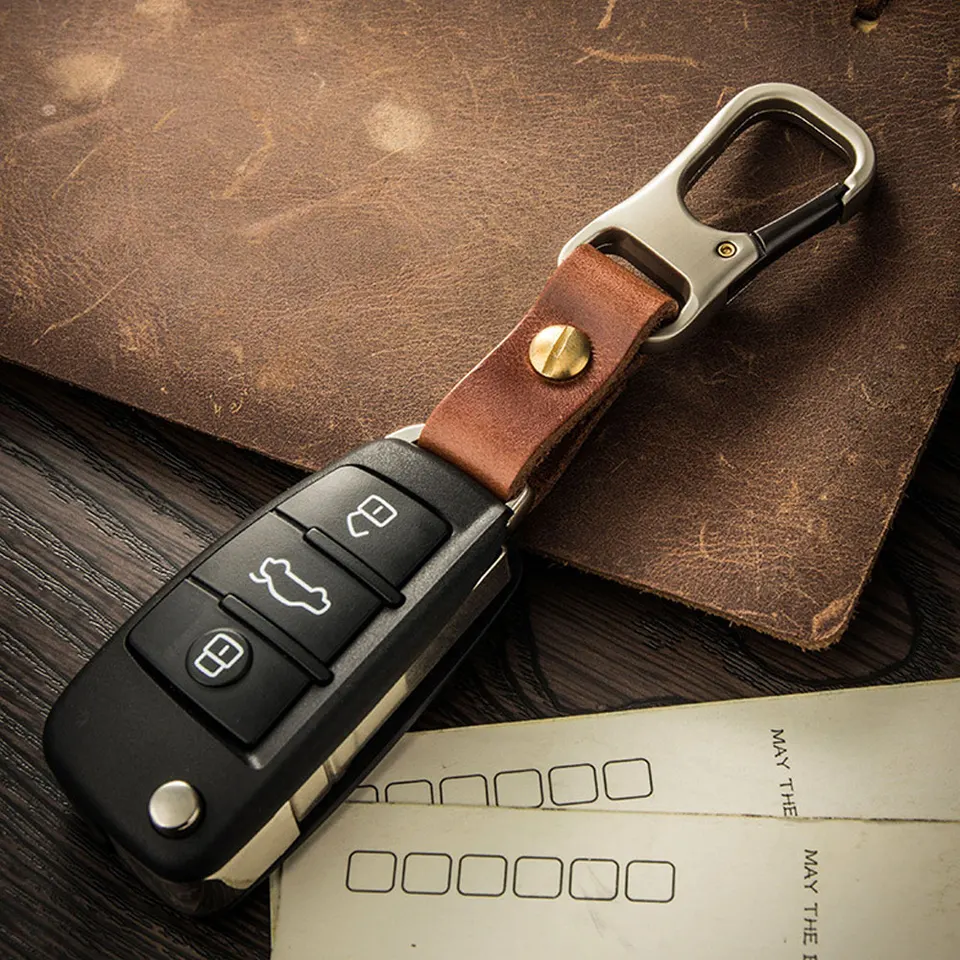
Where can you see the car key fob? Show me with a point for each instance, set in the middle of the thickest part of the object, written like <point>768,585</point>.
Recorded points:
<point>245,700</point>
<point>233,712</point>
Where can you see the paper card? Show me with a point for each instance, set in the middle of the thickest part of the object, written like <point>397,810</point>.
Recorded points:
<point>873,753</point>
<point>471,883</point>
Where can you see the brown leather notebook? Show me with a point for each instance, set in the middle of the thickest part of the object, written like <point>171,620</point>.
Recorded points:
<point>296,225</point>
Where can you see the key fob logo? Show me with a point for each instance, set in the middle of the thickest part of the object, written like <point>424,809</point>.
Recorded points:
<point>218,658</point>
<point>372,512</point>
<point>287,588</point>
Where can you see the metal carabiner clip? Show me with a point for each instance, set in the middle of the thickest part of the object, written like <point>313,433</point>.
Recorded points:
<point>705,268</point>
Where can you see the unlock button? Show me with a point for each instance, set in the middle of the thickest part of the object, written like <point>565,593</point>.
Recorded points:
<point>386,528</point>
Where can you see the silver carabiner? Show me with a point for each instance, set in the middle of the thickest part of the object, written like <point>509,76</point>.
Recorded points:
<point>704,268</point>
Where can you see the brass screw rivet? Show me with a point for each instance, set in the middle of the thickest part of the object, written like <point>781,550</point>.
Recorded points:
<point>560,352</point>
<point>726,249</point>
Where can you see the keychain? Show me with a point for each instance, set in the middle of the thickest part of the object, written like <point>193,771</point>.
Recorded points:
<point>244,701</point>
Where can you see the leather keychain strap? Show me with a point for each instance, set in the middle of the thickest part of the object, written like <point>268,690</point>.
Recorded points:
<point>508,425</point>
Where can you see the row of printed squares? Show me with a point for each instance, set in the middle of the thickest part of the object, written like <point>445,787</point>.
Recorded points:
<point>573,783</point>
<point>486,875</point>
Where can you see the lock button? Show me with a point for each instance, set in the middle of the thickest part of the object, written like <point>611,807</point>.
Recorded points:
<point>219,657</point>
<point>381,525</point>
<point>229,672</point>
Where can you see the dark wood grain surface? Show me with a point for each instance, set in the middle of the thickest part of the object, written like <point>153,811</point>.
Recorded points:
<point>100,504</point>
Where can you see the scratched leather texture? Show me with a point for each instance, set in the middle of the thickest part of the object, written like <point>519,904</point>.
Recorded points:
<point>296,226</point>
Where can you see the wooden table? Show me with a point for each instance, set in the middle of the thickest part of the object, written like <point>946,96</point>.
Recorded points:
<point>99,504</point>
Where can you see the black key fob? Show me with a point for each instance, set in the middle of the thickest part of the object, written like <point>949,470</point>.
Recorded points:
<point>243,702</point>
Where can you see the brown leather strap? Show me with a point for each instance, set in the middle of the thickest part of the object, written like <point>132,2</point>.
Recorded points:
<point>503,420</point>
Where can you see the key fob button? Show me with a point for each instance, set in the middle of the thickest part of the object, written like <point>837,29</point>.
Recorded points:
<point>383,526</point>
<point>270,567</point>
<point>175,808</point>
<point>237,679</point>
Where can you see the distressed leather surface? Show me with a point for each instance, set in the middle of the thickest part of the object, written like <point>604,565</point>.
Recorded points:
<point>297,225</point>
<point>502,421</point>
